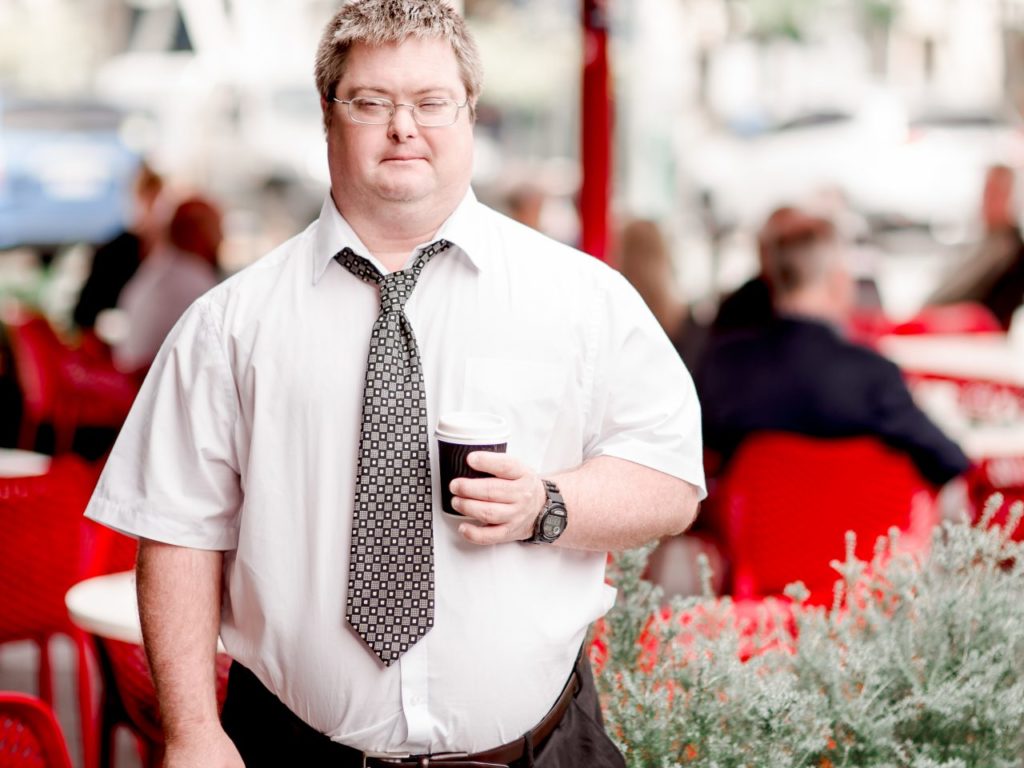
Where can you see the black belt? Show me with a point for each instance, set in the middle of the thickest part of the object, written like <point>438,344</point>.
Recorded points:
<point>499,757</point>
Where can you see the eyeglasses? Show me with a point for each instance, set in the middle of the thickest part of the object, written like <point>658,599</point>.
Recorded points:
<point>429,113</point>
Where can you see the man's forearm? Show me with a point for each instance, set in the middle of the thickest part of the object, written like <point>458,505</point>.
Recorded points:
<point>179,592</point>
<point>616,504</point>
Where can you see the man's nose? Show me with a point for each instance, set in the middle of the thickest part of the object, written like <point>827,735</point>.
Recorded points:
<point>402,124</point>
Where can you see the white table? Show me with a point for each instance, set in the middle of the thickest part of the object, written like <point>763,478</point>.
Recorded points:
<point>15,463</point>
<point>993,442</point>
<point>986,357</point>
<point>105,606</point>
<point>971,385</point>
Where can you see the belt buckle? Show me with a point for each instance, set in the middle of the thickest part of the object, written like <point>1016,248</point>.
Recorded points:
<point>396,757</point>
<point>446,757</point>
<point>391,757</point>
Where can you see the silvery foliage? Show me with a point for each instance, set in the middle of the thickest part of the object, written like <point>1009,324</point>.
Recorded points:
<point>917,664</point>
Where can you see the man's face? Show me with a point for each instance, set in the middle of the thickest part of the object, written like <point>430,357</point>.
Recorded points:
<point>400,161</point>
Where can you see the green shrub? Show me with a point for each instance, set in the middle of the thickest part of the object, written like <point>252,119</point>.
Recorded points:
<point>918,664</point>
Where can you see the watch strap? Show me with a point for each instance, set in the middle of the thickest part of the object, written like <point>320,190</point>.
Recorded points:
<point>554,504</point>
<point>553,493</point>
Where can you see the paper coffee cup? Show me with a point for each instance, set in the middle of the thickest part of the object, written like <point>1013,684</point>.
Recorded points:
<point>459,433</point>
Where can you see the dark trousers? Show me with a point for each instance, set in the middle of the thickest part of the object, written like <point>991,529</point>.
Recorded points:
<point>269,735</point>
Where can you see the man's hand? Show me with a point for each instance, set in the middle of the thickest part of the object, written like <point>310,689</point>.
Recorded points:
<point>504,507</point>
<point>206,746</point>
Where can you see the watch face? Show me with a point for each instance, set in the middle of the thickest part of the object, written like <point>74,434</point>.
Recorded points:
<point>551,526</point>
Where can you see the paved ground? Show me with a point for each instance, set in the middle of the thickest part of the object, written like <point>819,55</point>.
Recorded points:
<point>18,672</point>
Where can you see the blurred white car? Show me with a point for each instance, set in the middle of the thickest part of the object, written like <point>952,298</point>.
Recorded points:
<point>921,171</point>
<point>218,111</point>
<point>65,172</point>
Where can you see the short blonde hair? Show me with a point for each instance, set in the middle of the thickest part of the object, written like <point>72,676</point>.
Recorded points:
<point>378,22</point>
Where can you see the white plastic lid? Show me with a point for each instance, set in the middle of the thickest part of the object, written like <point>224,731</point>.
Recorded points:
<point>472,428</point>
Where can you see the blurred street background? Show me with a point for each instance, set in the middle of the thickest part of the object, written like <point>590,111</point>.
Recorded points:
<point>886,111</point>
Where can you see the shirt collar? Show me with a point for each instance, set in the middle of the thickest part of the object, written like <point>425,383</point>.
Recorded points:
<point>333,232</point>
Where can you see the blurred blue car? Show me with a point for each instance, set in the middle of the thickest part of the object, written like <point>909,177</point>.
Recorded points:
<point>65,173</point>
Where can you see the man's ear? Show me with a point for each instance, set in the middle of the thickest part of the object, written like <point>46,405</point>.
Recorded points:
<point>325,116</point>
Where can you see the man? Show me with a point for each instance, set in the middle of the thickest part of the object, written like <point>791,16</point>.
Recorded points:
<point>182,267</point>
<point>750,305</point>
<point>288,461</point>
<point>994,277</point>
<point>116,261</point>
<point>800,375</point>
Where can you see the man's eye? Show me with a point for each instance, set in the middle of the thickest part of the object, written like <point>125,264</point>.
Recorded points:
<point>433,105</point>
<point>371,105</point>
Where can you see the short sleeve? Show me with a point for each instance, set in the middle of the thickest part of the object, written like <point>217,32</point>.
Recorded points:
<point>173,474</point>
<point>644,406</point>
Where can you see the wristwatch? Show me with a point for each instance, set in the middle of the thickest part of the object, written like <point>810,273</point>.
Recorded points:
<point>553,519</point>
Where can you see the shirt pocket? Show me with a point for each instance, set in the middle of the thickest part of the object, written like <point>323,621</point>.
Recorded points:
<point>529,393</point>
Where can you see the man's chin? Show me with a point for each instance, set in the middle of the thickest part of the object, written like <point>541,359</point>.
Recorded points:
<point>402,194</point>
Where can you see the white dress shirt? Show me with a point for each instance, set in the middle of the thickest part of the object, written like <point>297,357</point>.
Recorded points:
<point>244,438</point>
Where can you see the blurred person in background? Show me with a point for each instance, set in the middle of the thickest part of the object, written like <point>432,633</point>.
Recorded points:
<point>750,305</point>
<point>525,204</point>
<point>181,267</point>
<point>280,469</point>
<point>994,275</point>
<point>115,262</point>
<point>798,374</point>
<point>644,259</point>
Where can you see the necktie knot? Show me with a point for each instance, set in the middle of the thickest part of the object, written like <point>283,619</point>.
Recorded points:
<point>396,287</point>
<point>395,290</point>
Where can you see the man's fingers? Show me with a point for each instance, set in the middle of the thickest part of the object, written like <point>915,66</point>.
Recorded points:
<point>498,464</point>
<point>486,512</point>
<point>499,508</point>
<point>483,488</point>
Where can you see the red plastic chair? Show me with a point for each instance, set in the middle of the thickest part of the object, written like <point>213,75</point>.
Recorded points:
<point>867,325</point>
<point>30,736</point>
<point>130,699</point>
<point>128,695</point>
<point>61,386</point>
<point>41,555</point>
<point>963,317</point>
<point>46,547</point>
<point>787,501</point>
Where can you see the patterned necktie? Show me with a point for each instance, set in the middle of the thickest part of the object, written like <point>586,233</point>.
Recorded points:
<point>391,563</point>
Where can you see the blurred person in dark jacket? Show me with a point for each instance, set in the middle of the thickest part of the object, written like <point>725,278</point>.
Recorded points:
<point>750,305</point>
<point>115,261</point>
<point>798,374</point>
<point>994,275</point>
<point>181,268</point>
